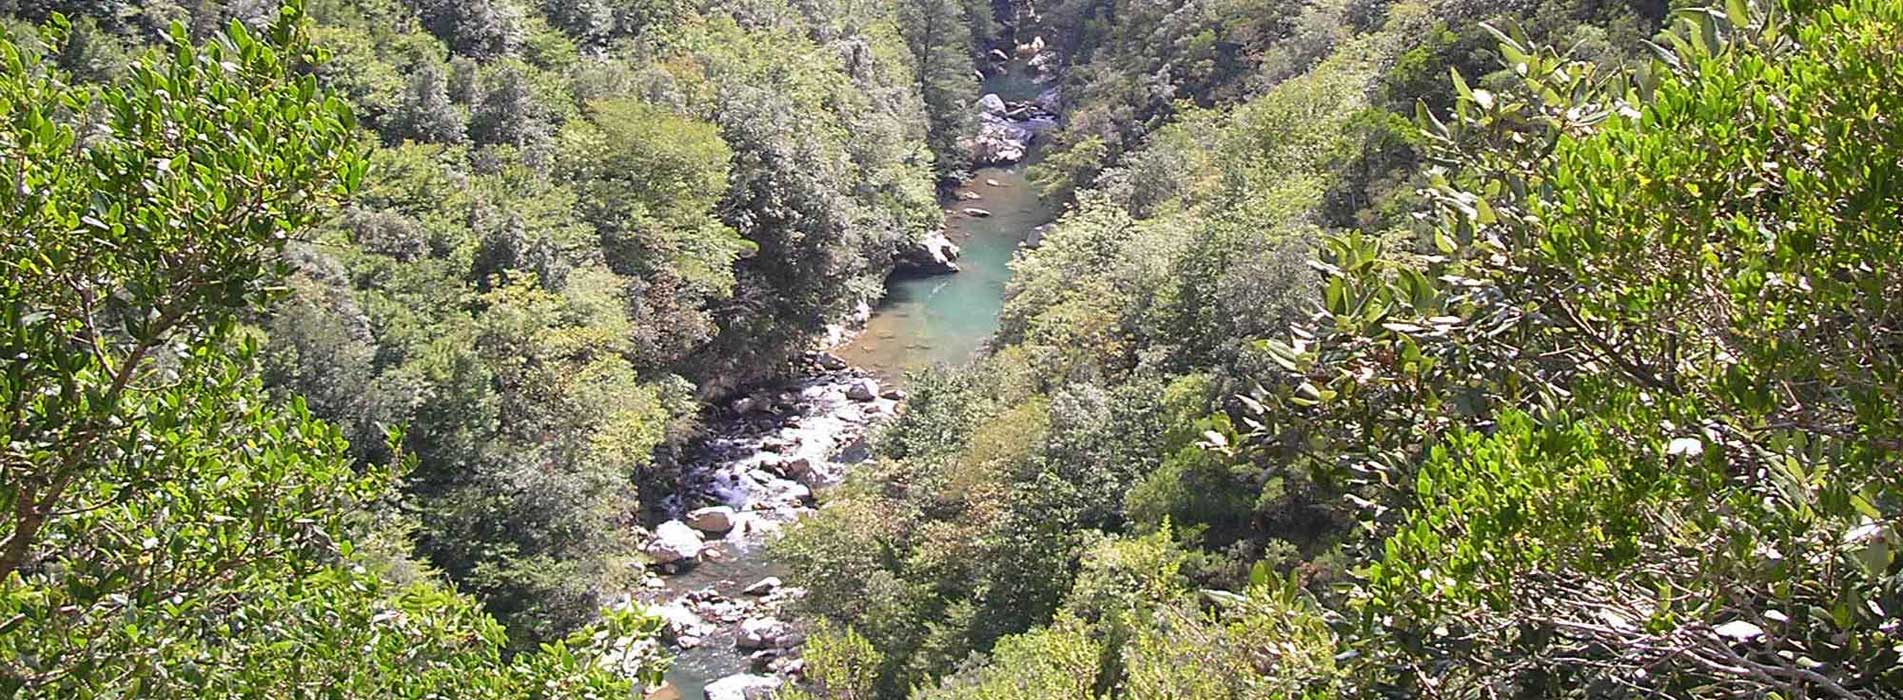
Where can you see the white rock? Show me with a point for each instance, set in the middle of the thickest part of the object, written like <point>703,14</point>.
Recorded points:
<point>933,254</point>
<point>991,103</point>
<point>863,390</point>
<point>743,686</point>
<point>763,586</point>
<point>976,212</point>
<point>673,541</point>
<point>795,493</point>
<point>762,633</point>
<point>1739,631</point>
<point>681,622</point>
<point>745,405</point>
<point>714,519</point>
<point>990,182</point>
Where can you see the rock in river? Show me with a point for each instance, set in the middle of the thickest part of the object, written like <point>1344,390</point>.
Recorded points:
<point>673,541</point>
<point>763,586</point>
<point>933,254</point>
<point>763,633</point>
<point>714,519</point>
<point>796,468</point>
<point>991,103</point>
<point>863,390</point>
<point>976,212</point>
<point>743,686</point>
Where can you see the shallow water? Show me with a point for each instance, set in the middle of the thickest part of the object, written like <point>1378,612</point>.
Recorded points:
<point>716,657</point>
<point>944,319</point>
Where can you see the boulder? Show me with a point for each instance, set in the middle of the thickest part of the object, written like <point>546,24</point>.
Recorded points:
<point>745,405</point>
<point>893,395</point>
<point>673,542</point>
<point>794,668</point>
<point>763,586</point>
<point>989,182</point>
<point>970,196</point>
<point>713,519</point>
<point>863,390</point>
<point>797,468</point>
<point>682,623</point>
<point>976,212</point>
<point>933,254</point>
<point>999,56</point>
<point>762,660</point>
<point>796,493</point>
<point>991,103</point>
<point>743,686</point>
<point>830,361</point>
<point>762,633</point>
<point>999,140</point>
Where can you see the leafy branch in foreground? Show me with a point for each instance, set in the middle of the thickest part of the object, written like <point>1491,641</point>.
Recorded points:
<point>1632,424</point>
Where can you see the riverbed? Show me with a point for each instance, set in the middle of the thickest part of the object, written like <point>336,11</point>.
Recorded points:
<point>821,420</point>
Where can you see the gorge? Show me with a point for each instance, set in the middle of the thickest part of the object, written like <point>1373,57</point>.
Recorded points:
<point>729,615</point>
<point>802,350</point>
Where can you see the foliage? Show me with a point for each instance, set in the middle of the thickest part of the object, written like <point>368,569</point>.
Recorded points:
<point>939,34</point>
<point>583,219</point>
<point>174,530</point>
<point>1616,418</point>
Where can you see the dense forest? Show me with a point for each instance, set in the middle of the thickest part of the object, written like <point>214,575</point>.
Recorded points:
<point>1384,348</point>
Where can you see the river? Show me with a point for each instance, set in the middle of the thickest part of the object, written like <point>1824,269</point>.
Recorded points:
<point>944,319</point>
<point>923,321</point>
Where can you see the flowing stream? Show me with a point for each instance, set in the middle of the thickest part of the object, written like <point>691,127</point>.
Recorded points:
<point>923,321</point>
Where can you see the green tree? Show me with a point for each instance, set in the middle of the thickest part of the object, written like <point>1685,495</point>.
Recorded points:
<point>1649,366</point>
<point>941,42</point>
<point>172,530</point>
<point>479,28</point>
<point>508,112</point>
<point>425,114</point>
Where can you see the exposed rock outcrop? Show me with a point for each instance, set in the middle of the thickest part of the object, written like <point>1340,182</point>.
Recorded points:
<point>934,254</point>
